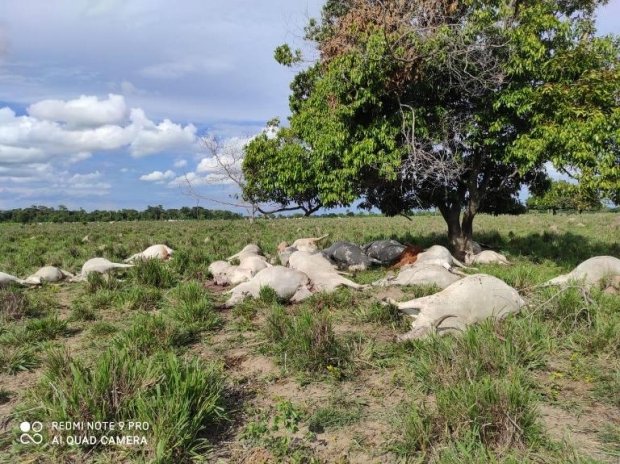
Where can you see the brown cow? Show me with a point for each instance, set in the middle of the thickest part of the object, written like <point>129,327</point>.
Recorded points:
<point>408,256</point>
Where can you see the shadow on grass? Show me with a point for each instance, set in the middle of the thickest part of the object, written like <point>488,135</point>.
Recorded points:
<point>235,399</point>
<point>565,249</point>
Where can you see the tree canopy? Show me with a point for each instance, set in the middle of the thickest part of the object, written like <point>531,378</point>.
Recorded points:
<point>446,104</point>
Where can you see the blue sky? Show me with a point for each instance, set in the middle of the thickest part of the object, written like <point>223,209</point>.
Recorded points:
<point>103,103</point>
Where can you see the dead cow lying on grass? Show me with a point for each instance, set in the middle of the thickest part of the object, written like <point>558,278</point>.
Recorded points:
<point>98,265</point>
<point>486,257</point>
<point>349,256</point>
<point>322,273</point>
<point>386,252</point>
<point>440,256</point>
<point>159,251</point>
<point>289,285</point>
<point>48,274</point>
<point>7,279</point>
<point>591,272</point>
<point>251,261</point>
<point>420,274</point>
<point>465,302</point>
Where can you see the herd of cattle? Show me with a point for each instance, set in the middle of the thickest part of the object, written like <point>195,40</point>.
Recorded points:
<point>304,270</point>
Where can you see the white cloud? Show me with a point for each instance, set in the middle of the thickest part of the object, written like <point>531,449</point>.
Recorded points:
<point>230,154</point>
<point>180,163</point>
<point>156,176</point>
<point>85,177</point>
<point>151,138</point>
<point>86,111</point>
<point>67,130</point>
<point>226,169</point>
<point>211,165</point>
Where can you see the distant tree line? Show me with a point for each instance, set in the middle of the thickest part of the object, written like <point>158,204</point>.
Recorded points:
<point>39,213</point>
<point>564,196</point>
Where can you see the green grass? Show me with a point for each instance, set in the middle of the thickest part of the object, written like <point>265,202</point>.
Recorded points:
<point>153,273</point>
<point>47,328</point>
<point>191,305</point>
<point>379,313</point>
<point>448,400</point>
<point>337,413</point>
<point>17,304</point>
<point>102,328</point>
<point>182,400</point>
<point>610,436</point>
<point>14,359</point>
<point>80,311</point>
<point>487,349</point>
<point>148,334</point>
<point>138,298</point>
<point>96,282</point>
<point>5,395</point>
<point>304,341</point>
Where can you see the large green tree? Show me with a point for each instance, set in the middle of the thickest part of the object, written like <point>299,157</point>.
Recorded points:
<point>453,105</point>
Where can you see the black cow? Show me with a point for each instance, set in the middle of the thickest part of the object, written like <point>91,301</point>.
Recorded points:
<point>384,252</point>
<point>348,256</point>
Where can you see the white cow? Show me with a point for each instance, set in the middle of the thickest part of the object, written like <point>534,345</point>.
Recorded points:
<point>591,272</point>
<point>284,252</point>
<point>6,279</point>
<point>247,251</point>
<point>225,273</point>
<point>440,256</point>
<point>159,251</point>
<point>288,284</point>
<point>253,264</point>
<point>98,265</point>
<point>48,274</point>
<point>486,257</point>
<point>322,273</point>
<point>421,274</point>
<point>465,302</point>
<point>309,245</point>
<point>222,272</point>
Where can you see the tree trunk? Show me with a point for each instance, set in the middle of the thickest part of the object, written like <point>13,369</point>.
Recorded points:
<point>460,233</point>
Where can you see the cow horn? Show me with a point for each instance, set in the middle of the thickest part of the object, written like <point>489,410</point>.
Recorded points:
<point>435,324</point>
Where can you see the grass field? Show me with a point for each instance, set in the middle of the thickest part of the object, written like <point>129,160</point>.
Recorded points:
<point>322,381</point>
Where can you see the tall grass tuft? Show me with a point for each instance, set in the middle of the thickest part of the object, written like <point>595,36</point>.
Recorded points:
<point>192,306</point>
<point>14,359</point>
<point>181,400</point>
<point>15,304</point>
<point>47,328</point>
<point>154,273</point>
<point>142,298</point>
<point>306,341</point>
<point>490,348</point>
<point>589,321</point>
<point>148,334</point>
<point>488,412</point>
<point>96,281</point>
<point>482,392</point>
<point>183,407</point>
